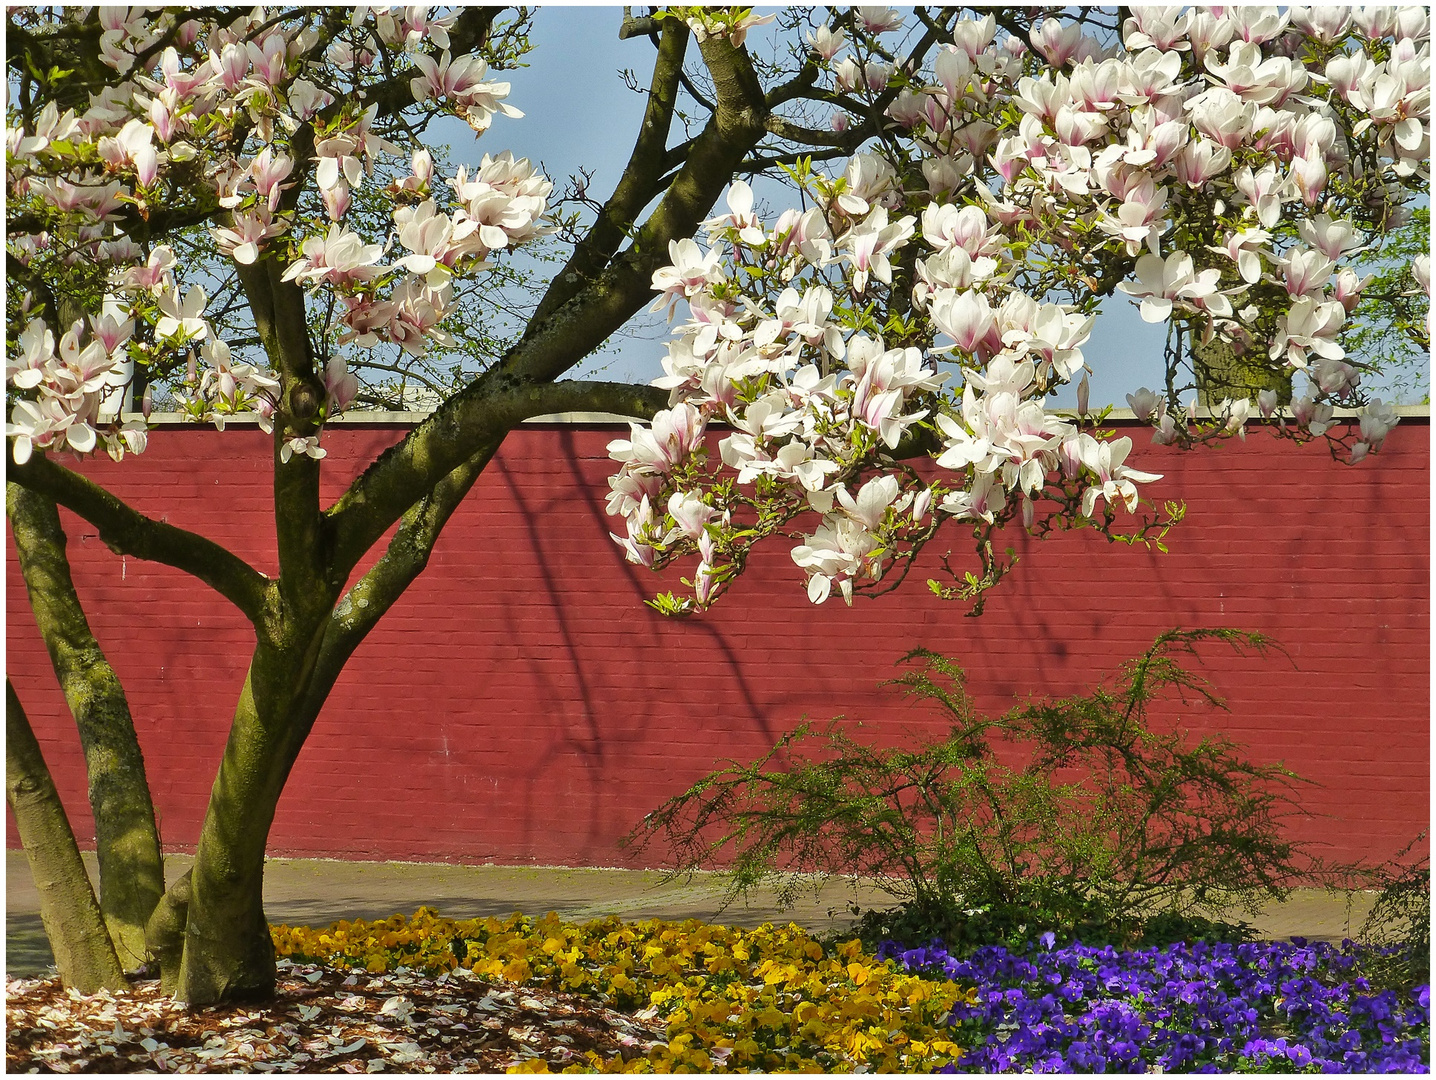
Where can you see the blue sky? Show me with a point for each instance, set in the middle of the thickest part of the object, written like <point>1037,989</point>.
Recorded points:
<point>579,113</point>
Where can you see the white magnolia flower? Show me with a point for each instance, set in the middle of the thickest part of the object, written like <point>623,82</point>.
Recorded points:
<point>1163,282</point>
<point>1113,480</point>
<point>1377,418</point>
<point>307,445</point>
<point>185,321</point>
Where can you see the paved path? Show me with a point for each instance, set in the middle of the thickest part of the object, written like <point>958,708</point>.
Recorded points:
<point>315,892</point>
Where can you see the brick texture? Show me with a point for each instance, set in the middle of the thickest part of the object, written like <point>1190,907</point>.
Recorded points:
<point>520,705</point>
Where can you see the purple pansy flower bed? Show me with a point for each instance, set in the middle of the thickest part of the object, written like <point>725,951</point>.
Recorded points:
<point>1284,1006</point>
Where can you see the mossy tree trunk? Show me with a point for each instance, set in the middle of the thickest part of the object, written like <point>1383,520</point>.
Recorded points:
<point>227,951</point>
<point>83,951</point>
<point>1222,374</point>
<point>126,840</point>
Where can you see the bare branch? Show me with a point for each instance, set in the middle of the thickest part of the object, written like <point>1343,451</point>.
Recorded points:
<point>639,181</point>
<point>444,441</point>
<point>128,532</point>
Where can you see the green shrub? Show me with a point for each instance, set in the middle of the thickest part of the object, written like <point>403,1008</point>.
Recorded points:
<point>1108,830</point>
<point>1402,917</point>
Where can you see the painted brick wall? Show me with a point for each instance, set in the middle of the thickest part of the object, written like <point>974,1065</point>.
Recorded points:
<point>520,705</point>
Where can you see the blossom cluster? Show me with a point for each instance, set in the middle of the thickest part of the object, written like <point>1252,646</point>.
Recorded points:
<point>734,1000</point>
<point>1217,166</point>
<point>259,127</point>
<point>811,403</point>
<point>1259,1006</point>
<point>1306,415</point>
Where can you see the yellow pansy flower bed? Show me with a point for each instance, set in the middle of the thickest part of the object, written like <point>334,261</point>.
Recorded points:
<point>771,999</point>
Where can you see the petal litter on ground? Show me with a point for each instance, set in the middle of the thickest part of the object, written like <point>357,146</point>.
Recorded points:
<point>320,1021</point>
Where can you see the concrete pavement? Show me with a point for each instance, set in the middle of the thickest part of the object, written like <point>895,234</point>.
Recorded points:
<point>315,892</point>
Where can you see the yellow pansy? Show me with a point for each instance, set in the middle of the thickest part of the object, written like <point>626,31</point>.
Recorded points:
<point>772,998</point>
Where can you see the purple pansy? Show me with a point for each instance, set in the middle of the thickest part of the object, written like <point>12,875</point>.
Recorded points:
<point>1261,1006</point>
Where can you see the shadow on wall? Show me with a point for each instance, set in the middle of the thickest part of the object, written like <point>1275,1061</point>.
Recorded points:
<point>520,705</point>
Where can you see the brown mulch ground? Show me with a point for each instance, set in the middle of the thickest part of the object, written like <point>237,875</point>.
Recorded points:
<point>319,1021</point>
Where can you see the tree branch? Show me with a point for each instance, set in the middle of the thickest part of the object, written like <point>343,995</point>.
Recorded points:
<point>520,385</point>
<point>754,165</point>
<point>847,140</point>
<point>278,308</point>
<point>128,532</point>
<point>636,25</point>
<point>127,842</point>
<point>440,444</point>
<point>637,185</point>
<point>71,917</point>
<point>552,345</point>
<point>370,598</point>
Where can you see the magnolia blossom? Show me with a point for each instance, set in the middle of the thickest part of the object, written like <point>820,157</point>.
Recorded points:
<point>462,82</point>
<point>1161,283</point>
<point>827,43</point>
<point>1376,420</point>
<point>983,500</point>
<point>691,270</point>
<point>44,424</point>
<point>1236,413</point>
<point>1146,404</point>
<point>674,434</point>
<point>868,245</point>
<point>304,445</point>
<point>1209,119</point>
<point>839,552</point>
<point>340,386</point>
<point>250,230</point>
<point>720,23</point>
<point>739,218</point>
<point>969,320</point>
<point>1112,479</point>
<point>1312,416</point>
<point>1242,248</point>
<point>340,257</point>
<point>27,368</point>
<point>185,319</point>
<point>1309,328</point>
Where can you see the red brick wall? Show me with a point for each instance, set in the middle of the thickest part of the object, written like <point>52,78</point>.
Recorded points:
<point>519,704</point>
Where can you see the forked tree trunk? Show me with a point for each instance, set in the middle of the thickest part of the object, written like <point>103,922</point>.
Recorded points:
<point>83,951</point>
<point>210,929</point>
<point>228,953</point>
<point>126,840</point>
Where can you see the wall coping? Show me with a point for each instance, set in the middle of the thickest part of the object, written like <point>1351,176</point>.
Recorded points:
<point>378,418</point>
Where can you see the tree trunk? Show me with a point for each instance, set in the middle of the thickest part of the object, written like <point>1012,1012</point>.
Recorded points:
<point>228,953</point>
<point>1221,374</point>
<point>83,950</point>
<point>126,839</point>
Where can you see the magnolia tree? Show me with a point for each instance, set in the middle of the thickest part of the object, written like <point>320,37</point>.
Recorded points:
<point>966,190</point>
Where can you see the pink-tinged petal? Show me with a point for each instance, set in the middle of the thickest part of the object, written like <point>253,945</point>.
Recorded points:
<point>819,588</point>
